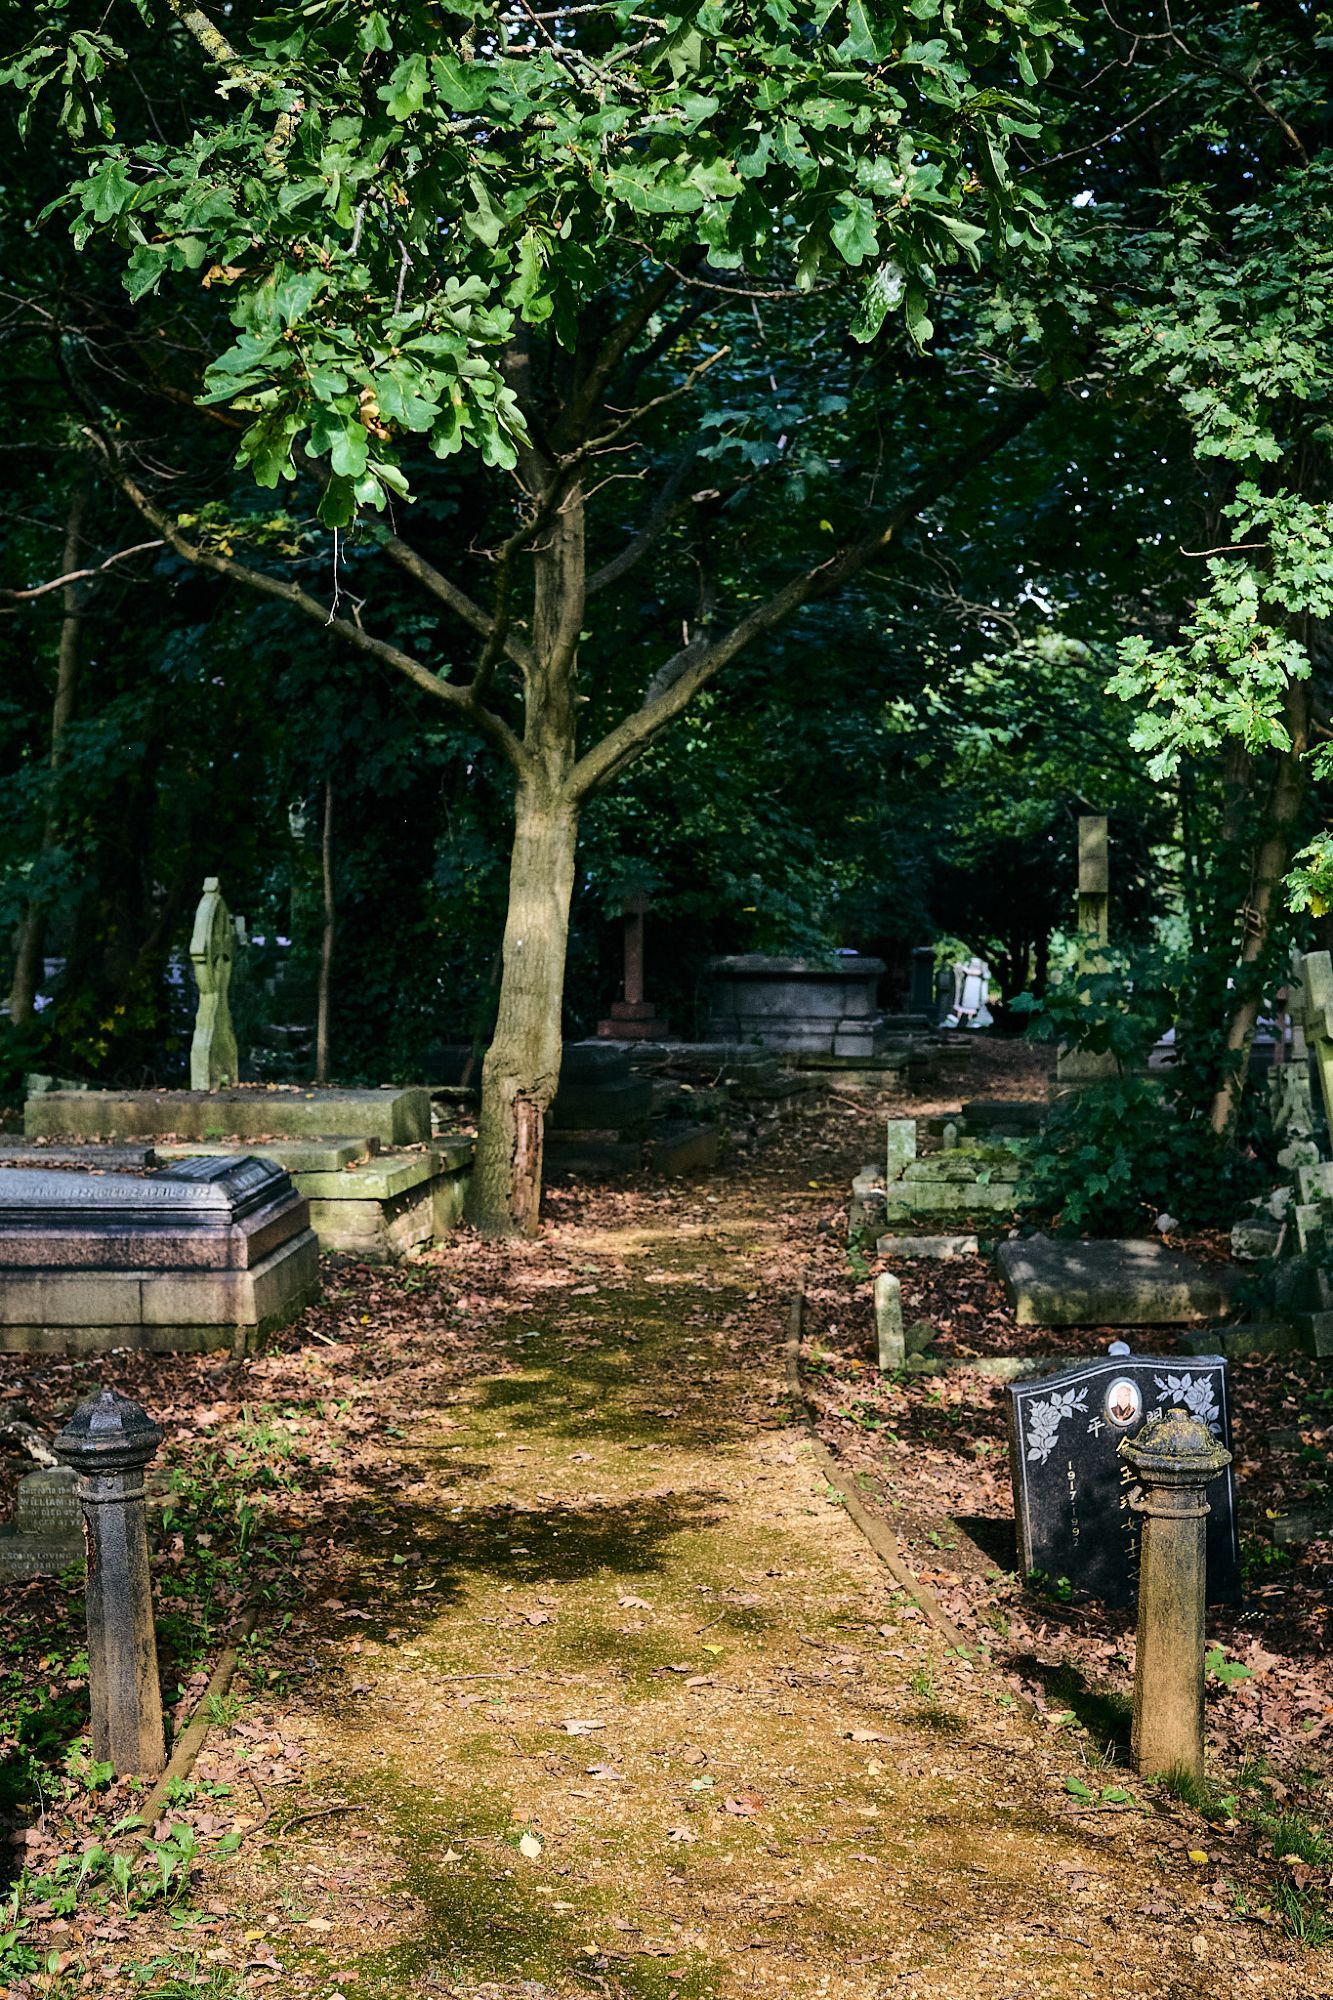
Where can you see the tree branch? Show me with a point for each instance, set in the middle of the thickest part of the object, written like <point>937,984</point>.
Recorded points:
<point>77,575</point>
<point>578,411</point>
<point>659,514</point>
<point>431,579</point>
<point>458,698</point>
<point>677,682</point>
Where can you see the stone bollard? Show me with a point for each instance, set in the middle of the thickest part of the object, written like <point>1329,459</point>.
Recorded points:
<point>889,1321</point>
<point>1173,1461</point>
<point>108,1441</point>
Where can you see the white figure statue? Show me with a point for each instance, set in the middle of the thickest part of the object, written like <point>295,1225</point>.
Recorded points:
<point>971,991</point>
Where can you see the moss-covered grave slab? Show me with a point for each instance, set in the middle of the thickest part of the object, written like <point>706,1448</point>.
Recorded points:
<point>381,1207</point>
<point>963,1180</point>
<point>396,1117</point>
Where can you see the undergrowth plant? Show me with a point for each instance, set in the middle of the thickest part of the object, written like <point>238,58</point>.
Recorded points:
<point>1116,1153</point>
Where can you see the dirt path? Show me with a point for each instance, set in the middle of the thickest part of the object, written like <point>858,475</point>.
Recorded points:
<point>632,1709</point>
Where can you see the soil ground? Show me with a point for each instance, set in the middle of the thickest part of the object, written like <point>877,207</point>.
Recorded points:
<point>575,1677</point>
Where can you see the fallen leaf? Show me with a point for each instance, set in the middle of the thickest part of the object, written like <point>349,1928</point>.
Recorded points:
<point>634,1604</point>
<point>530,1847</point>
<point>745,1804</point>
<point>573,1726</point>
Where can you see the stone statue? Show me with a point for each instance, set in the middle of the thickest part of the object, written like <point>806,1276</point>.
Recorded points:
<point>971,991</point>
<point>213,1059</point>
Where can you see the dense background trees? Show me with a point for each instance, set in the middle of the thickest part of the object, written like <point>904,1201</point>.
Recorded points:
<point>1107,442</point>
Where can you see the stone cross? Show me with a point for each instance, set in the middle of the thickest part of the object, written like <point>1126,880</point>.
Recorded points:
<point>213,1061</point>
<point>108,1442</point>
<point>634,1019</point>
<point>1174,1460</point>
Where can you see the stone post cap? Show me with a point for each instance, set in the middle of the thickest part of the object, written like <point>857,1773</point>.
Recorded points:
<point>210,884</point>
<point>108,1433</point>
<point>1176,1451</point>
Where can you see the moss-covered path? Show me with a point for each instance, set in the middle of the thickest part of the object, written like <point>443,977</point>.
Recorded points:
<point>612,1697</point>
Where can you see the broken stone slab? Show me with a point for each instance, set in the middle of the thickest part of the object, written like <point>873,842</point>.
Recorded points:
<point>1117,1281</point>
<point>395,1117</point>
<point>942,1248</point>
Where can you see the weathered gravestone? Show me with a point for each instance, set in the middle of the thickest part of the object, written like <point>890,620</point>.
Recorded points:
<point>1072,1507</point>
<point>213,1059</point>
<point>1079,1066</point>
<point>47,1535</point>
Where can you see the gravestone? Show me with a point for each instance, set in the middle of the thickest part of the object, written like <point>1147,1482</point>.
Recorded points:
<point>213,1060</point>
<point>921,995</point>
<point>1110,1281</point>
<point>47,1535</point>
<point>1072,1509</point>
<point>1074,1066</point>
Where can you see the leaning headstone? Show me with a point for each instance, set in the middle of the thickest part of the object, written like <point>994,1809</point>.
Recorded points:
<point>47,1535</point>
<point>213,1060</point>
<point>889,1322</point>
<point>1072,1499</point>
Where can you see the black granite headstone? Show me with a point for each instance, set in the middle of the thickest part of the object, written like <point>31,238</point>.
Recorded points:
<point>1071,1488</point>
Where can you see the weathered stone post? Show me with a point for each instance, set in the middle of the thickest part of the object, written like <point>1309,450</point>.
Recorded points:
<point>1173,1460</point>
<point>889,1339</point>
<point>108,1441</point>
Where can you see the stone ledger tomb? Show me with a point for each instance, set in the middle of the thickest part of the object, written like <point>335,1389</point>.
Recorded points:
<point>797,1005</point>
<point>1115,1281</point>
<point>1072,1490</point>
<point>210,1254</point>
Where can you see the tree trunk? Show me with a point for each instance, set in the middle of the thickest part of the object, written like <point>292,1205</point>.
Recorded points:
<point>326,943</point>
<point>522,1066</point>
<point>32,929</point>
<point>1271,861</point>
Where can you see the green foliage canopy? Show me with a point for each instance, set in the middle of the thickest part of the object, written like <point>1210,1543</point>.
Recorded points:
<point>386,192</point>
